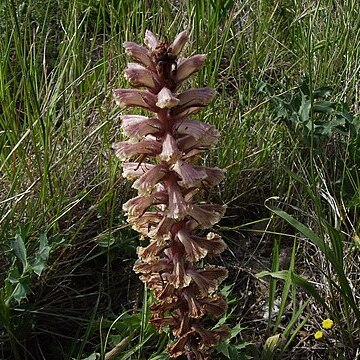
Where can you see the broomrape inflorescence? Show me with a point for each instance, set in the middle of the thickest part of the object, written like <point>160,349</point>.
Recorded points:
<point>165,147</point>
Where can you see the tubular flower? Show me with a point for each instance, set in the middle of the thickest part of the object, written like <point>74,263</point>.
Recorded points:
<point>164,146</point>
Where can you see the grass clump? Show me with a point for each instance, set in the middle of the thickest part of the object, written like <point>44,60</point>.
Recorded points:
<point>66,253</point>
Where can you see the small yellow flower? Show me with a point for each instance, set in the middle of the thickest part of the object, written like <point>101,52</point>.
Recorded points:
<point>327,324</point>
<point>318,335</point>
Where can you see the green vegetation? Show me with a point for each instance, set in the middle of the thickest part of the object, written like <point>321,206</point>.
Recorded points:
<point>287,77</point>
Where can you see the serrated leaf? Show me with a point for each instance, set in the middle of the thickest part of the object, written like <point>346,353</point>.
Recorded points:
<point>38,267</point>
<point>242,345</point>
<point>223,348</point>
<point>20,292</point>
<point>231,351</point>
<point>329,127</point>
<point>42,255</point>
<point>310,126</point>
<point>236,330</point>
<point>14,275</point>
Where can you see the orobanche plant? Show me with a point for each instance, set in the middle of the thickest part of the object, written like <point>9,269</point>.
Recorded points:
<point>165,147</point>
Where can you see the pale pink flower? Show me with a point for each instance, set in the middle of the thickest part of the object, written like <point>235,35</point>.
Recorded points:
<point>134,98</point>
<point>194,128</point>
<point>139,76</point>
<point>152,251</point>
<point>178,207</point>
<point>162,232</point>
<point>125,150</point>
<point>137,126</point>
<point>146,222</point>
<point>197,176</point>
<point>150,40</point>
<point>170,151</point>
<point>146,182</point>
<point>199,306</point>
<point>191,176</point>
<point>166,99</point>
<point>157,265</point>
<point>178,348</point>
<point>138,53</point>
<point>192,101</point>
<point>208,140</point>
<point>189,66</point>
<point>133,170</point>
<point>210,338</point>
<point>213,176</point>
<point>179,42</point>
<point>138,205</point>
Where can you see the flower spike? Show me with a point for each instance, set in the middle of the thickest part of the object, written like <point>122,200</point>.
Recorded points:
<point>163,146</point>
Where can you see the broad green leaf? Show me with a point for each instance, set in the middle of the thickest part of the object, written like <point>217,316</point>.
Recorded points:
<point>228,350</point>
<point>223,348</point>
<point>38,267</point>
<point>233,353</point>
<point>329,127</point>
<point>304,110</point>
<point>19,250</point>
<point>14,275</point>
<point>242,345</point>
<point>236,330</point>
<point>326,107</point>
<point>21,290</point>
<point>42,255</point>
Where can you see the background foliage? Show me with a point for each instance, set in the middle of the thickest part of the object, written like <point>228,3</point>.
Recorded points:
<point>287,77</point>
